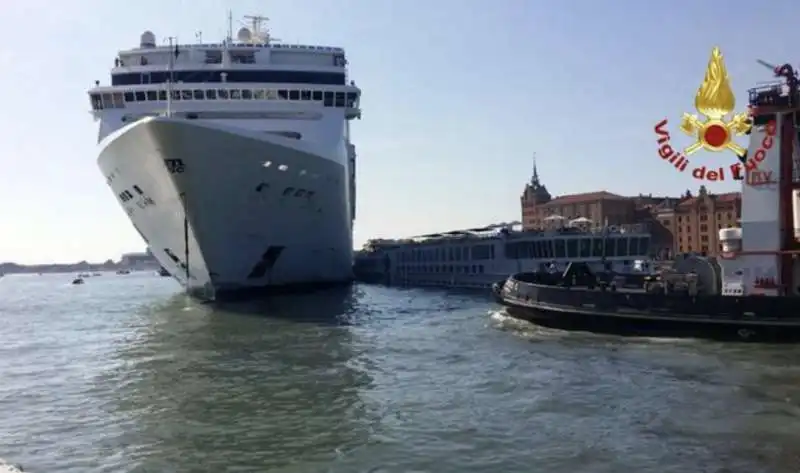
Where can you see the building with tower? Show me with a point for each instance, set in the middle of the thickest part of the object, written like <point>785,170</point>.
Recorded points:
<point>541,210</point>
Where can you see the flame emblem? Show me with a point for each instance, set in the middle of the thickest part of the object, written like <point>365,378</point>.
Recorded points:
<point>715,100</point>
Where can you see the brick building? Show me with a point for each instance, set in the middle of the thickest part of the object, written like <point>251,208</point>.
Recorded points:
<point>677,224</point>
<point>599,207</point>
<point>695,221</point>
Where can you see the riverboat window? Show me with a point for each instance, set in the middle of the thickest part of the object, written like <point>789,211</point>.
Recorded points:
<point>176,94</point>
<point>305,95</point>
<point>351,99</point>
<point>199,94</point>
<point>572,248</point>
<point>211,94</point>
<point>140,96</point>
<point>634,242</point>
<point>622,247</point>
<point>259,94</point>
<point>129,97</point>
<point>236,94</point>
<point>162,95</point>
<point>561,249</point>
<point>247,94</point>
<point>586,248</point>
<point>597,247</point>
<point>610,247</point>
<point>328,99</point>
<point>481,252</point>
<point>644,245</point>
<point>152,95</point>
<point>340,100</point>
<point>97,102</point>
<point>222,94</point>
<point>294,95</point>
<point>316,95</point>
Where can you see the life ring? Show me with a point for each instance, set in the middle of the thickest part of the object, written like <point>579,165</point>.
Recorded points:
<point>745,334</point>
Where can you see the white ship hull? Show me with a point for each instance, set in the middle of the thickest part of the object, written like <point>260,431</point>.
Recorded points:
<point>249,225</point>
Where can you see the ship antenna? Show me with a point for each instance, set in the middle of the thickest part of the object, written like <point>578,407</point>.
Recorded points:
<point>171,77</point>
<point>230,26</point>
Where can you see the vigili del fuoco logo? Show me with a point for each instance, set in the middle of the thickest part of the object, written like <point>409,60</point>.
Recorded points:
<point>715,129</point>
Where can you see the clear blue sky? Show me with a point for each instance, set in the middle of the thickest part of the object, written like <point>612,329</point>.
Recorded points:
<point>457,95</point>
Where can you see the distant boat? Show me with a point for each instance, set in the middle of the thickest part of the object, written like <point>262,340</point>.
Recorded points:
<point>124,271</point>
<point>77,280</point>
<point>163,272</point>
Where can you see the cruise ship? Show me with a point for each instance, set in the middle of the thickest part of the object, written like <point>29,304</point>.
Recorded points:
<point>233,160</point>
<point>479,257</point>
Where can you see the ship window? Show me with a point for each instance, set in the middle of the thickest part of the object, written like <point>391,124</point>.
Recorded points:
<point>634,246</point>
<point>610,247</point>
<point>586,248</point>
<point>214,57</point>
<point>236,94</point>
<point>328,100</point>
<point>305,95</point>
<point>176,94</point>
<point>97,103</point>
<point>282,94</point>
<point>340,99</point>
<point>186,94</point>
<point>129,97</point>
<point>271,94</point>
<point>118,102</point>
<point>140,97</point>
<point>211,94</point>
<point>351,99</point>
<point>198,94</point>
<point>317,95</point>
<point>248,76</point>
<point>152,95</point>
<point>294,95</point>
<point>622,247</point>
<point>223,94</point>
<point>561,249</point>
<point>259,94</point>
<point>572,248</point>
<point>597,247</point>
<point>162,95</point>
<point>247,94</point>
<point>644,245</point>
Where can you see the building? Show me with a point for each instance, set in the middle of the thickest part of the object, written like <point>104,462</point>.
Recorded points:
<point>144,260</point>
<point>695,221</point>
<point>677,224</point>
<point>540,210</point>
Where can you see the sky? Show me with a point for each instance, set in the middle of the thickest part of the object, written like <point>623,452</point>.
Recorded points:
<point>457,96</point>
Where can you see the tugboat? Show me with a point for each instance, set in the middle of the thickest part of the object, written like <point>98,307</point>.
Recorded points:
<point>750,293</point>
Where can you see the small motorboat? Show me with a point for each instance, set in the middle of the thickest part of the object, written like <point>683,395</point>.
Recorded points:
<point>78,280</point>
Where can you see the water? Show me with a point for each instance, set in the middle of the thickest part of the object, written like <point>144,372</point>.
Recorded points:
<point>124,374</point>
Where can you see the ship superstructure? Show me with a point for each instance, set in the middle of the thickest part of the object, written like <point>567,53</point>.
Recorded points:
<point>760,258</point>
<point>233,160</point>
